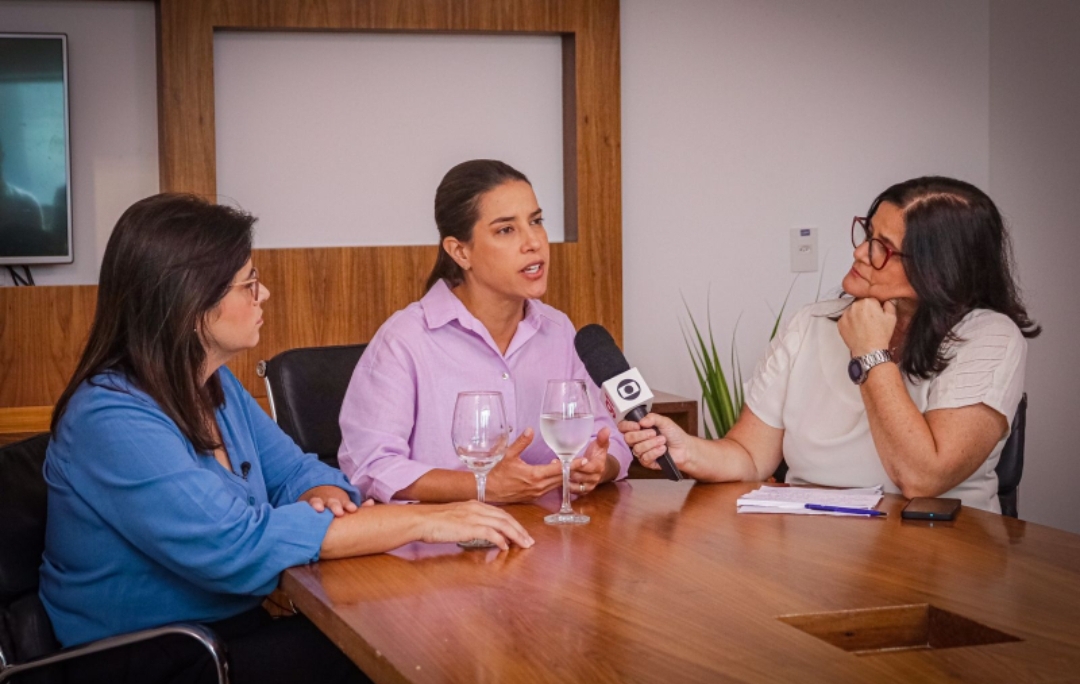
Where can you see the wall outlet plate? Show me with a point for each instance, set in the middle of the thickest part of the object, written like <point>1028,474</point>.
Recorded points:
<point>804,249</point>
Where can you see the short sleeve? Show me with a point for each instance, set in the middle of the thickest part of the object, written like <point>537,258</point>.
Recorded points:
<point>768,387</point>
<point>986,366</point>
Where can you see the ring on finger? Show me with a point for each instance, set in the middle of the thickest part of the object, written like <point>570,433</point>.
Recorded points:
<point>581,487</point>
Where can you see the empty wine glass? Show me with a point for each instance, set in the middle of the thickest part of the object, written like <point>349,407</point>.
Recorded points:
<point>566,422</point>
<point>480,438</point>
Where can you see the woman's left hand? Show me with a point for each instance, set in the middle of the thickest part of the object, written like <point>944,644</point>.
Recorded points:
<point>868,326</point>
<point>587,472</point>
<point>328,497</point>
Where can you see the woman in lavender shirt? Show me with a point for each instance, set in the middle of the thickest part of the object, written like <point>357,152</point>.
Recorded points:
<point>481,326</point>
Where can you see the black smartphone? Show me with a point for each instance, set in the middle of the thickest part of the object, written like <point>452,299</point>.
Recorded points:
<point>921,508</point>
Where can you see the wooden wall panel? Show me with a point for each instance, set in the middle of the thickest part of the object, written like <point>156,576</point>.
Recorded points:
<point>318,288</point>
<point>42,332</point>
<point>324,296</point>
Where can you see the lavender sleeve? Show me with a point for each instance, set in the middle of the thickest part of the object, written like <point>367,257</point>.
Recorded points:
<point>377,421</point>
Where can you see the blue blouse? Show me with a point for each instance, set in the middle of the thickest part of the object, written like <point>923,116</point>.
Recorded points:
<point>142,531</point>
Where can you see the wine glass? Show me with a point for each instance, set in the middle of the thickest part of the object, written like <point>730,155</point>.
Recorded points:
<point>566,422</point>
<point>480,438</point>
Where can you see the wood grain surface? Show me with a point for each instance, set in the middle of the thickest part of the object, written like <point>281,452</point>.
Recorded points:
<point>669,584</point>
<point>330,296</point>
<point>42,333</point>
<point>341,295</point>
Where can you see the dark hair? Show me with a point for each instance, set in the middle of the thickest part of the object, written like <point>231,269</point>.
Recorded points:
<point>457,208</point>
<point>957,258</point>
<point>170,260</point>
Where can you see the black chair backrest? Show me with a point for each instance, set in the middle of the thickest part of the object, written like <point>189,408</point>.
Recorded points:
<point>25,630</point>
<point>307,387</point>
<point>1010,467</point>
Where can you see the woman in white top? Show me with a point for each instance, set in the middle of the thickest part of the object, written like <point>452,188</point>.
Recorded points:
<point>912,384</point>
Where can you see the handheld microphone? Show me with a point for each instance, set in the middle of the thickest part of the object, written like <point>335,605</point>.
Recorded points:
<point>625,393</point>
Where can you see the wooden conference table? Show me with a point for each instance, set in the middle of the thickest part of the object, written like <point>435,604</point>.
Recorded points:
<point>669,584</point>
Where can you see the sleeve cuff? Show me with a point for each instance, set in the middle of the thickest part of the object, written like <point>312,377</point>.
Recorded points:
<point>326,476</point>
<point>391,478</point>
<point>301,530</point>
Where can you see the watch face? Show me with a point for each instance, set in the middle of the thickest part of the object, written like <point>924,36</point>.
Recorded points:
<point>855,371</point>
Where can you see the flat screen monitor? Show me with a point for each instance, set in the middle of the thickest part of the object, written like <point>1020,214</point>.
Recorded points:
<point>35,165</point>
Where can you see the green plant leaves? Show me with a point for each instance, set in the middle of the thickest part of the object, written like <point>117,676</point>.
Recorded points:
<point>722,401</point>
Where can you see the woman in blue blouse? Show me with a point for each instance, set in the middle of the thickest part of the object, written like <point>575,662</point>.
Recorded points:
<point>172,495</point>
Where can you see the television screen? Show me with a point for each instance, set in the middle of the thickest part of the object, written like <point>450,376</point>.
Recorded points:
<point>35,214</point>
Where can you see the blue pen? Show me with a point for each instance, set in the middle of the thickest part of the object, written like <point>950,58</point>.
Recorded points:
<point>840,509</point>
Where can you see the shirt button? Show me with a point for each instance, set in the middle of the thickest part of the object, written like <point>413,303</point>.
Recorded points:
<point>506,376</point>
<point>251,500</point>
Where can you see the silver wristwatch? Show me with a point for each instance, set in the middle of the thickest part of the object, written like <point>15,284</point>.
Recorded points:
<point>859,367</point>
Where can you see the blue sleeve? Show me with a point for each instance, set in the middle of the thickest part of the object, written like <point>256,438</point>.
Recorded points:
<point>288,471</point>
<point>139,473</point>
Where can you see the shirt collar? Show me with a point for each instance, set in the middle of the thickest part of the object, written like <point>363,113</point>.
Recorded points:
<point>441,306</point>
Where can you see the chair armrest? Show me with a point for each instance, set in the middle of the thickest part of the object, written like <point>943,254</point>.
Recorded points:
<point>204,635</point>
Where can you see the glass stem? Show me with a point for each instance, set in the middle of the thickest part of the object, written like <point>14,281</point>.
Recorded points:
<point>566,488</point>
<point>481,485</point>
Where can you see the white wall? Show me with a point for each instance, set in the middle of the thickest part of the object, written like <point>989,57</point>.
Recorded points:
<point>112,68</point>
<point>1035,178</point>
<point>338,139</point>
<point>743,119</point>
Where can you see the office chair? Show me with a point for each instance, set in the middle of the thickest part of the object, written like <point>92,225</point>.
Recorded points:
<point>1010,466</point>
<point>27,644</point>
<point>306,388</point>
<point>1009,469</point>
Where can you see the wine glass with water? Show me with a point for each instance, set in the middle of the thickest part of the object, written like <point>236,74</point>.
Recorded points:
<point>480,436</point>
<point>566,422</point>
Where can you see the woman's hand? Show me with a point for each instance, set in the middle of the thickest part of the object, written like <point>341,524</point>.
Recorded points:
<point>652,436</point>
<point>465,520</point>
<point>868,326</point>
<point>595,465</point>
<point>375,529</point>
<point>513,480</point>
<point>329,497</point>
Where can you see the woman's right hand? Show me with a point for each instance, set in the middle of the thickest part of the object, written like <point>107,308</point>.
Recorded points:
<point>465,520</point>
<point>512,480</point>
<point>652,436</point>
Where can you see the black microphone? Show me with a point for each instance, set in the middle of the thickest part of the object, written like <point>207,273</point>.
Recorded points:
<point>625,393</point>
<point>245,468</point>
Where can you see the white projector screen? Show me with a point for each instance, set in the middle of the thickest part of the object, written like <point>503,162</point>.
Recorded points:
<point>340,139</point>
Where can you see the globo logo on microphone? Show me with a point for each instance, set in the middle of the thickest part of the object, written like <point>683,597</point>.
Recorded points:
<point>629,389</point>
<point>625,392</point>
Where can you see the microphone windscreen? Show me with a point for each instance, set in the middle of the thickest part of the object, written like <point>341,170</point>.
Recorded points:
<point>598,352</point>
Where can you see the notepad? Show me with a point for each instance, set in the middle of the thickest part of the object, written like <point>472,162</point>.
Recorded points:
<point>793,500</point>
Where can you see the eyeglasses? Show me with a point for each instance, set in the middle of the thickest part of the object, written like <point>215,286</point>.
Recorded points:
<point>252,285</point>
<point>880,253</point>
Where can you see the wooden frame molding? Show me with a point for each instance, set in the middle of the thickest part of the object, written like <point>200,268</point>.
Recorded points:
<point>327,296</point>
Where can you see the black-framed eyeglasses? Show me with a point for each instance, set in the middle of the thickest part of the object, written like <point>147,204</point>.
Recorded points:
<point>880,253</point>
<point>251,284</point>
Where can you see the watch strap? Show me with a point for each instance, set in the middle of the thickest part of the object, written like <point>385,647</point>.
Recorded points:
<point>868,361</point>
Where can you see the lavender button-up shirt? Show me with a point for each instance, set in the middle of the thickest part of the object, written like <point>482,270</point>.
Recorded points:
<point>396,418</point>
